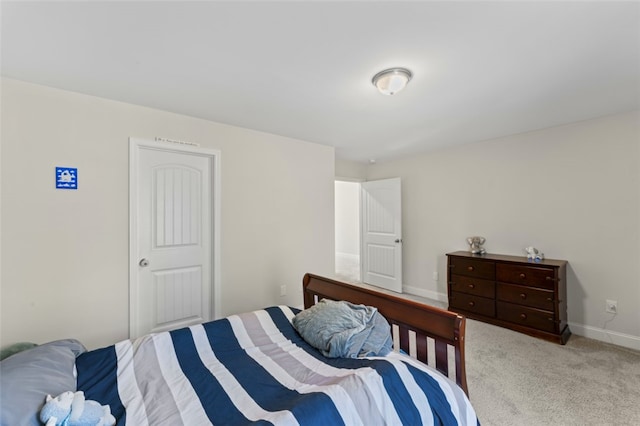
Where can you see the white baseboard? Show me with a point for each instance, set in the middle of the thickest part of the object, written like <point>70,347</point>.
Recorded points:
<point>607,336</point>
<point>440,297</point>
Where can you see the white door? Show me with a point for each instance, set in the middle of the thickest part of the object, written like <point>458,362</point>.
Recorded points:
<point>173,235</point>
<point>381,222</point>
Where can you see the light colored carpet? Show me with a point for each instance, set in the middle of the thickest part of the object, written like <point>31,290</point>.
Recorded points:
<point>347,267</point>
<point>515,379</point>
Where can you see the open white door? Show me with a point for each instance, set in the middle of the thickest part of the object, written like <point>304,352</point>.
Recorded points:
<point>173,239</point>
<point>381,253</point>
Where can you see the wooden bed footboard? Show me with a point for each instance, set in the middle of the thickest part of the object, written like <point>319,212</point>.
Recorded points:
<point>432,335</point>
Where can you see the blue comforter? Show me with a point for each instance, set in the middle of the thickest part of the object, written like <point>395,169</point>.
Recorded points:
<point>255,368</point>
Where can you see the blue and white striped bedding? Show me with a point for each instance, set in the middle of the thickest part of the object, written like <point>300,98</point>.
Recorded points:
<point>255,368</point>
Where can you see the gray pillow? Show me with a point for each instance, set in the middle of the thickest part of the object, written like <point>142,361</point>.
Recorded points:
<point>27,377</point>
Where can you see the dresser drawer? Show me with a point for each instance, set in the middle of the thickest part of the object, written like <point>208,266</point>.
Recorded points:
<point>471,303</point>
<point>473,268</point>
<point>530,317</point>
<point>526,275</point>
<point>470,285</point>
<point>528,296</point>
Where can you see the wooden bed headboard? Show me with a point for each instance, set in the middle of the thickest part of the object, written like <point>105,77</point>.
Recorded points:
<point>432,335</point>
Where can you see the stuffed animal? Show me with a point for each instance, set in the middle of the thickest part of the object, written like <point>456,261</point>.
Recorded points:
<point>475,245</point>
<point>71,409</point>
<point>534,254</point>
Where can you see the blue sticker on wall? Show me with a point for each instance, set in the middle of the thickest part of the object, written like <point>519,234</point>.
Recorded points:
<point>66,178</point>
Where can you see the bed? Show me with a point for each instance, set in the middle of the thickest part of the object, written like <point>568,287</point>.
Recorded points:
<point>255,368</point>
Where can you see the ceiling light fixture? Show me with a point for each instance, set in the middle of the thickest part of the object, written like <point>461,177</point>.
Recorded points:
<point>391,81</point>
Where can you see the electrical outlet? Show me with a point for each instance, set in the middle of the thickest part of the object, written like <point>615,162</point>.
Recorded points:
<point>612,306</point>
<point>283,290</point>
<point>435,276</point>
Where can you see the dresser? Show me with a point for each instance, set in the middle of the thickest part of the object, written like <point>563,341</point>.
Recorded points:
<point>510,291</point>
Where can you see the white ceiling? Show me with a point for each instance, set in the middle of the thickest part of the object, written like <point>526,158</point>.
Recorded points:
<point>303,69</point>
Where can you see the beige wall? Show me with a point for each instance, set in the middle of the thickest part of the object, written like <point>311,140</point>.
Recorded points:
<point>571,191</point>
<point>350,170</point>
<point>65,253</point>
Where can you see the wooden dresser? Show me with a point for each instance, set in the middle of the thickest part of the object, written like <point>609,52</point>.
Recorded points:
<point>510,291</point>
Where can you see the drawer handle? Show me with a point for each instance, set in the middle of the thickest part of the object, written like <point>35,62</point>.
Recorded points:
<point>472,285</point>
<point>523,316</point>
<point>472,304</point>
<point>523,276</point>
<point>470,268</point>
<point>550,319</point>
<point>523,296</point>
<point>549,299</point>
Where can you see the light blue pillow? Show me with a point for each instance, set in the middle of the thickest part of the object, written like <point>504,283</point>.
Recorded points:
<point>27,377</point>
<point>344,330</point>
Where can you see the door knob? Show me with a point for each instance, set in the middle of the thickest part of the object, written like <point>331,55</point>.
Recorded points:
<point>143,262</point>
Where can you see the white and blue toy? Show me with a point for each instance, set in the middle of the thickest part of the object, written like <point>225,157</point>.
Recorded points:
<point>71,409</point>
<point>533,254</point>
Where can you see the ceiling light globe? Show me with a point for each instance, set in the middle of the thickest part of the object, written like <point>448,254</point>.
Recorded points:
<point>392,80</point>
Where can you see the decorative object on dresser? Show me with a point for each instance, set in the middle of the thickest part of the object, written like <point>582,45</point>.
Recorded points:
<point>511,292</point>
<point>475,245</point>
<point>534,254</point>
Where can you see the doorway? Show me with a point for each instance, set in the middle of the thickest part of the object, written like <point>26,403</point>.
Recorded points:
<point>368,232</point>
<point>347,229</point>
